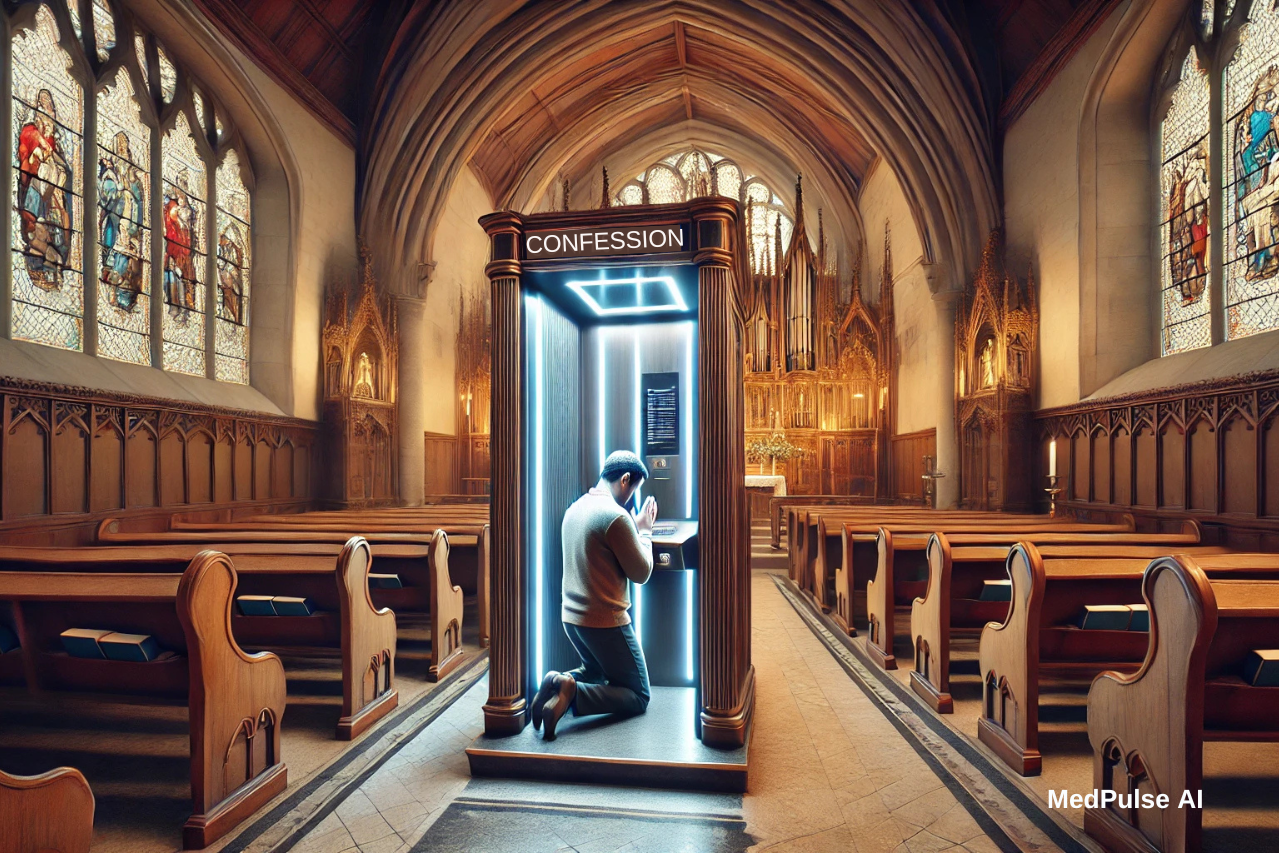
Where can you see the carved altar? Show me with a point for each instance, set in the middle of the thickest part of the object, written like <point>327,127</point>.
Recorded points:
<point>818,369</point>
<point>997,331</point>
<point>360,345</point>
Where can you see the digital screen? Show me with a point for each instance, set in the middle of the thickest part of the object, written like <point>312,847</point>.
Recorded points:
<point>661,413</point>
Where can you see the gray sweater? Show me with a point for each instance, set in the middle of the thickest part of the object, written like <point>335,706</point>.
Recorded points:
<point>602,550</point>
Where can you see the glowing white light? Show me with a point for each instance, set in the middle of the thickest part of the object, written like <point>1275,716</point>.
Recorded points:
<point>539,468</point>
<point>675,303</point>
<point>638,436</point>
<point>688,624</point>
<point>599,341</point>
<point>690,378</point>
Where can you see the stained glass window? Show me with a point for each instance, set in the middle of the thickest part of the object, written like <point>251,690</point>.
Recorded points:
<point>103,28</point>
<point>124,233</point>
<point>168,75</point>
<point>140,45</point>
<point>1251,199</point>
<point>1184,233</point>
<point>48,283</point>
<point>185,250</point>
<point>231,343</point>
<point>693,173</point>
<point>198,100</point>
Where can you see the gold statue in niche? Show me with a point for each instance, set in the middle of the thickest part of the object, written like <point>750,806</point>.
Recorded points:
<point>988,364</point>
<point>364,377</point>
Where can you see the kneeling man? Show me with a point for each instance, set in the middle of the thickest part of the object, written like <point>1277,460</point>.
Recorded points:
<point>604,547</point>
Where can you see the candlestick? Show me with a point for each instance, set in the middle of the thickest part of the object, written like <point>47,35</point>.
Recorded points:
<point>1053,492</point>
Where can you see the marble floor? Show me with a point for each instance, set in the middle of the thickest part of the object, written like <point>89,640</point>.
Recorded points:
<point>830,770</point>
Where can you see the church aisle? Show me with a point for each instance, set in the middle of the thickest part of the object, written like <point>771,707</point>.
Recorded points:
<point>843,779</point>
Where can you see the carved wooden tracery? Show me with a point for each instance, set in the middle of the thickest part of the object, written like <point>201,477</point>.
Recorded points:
<point>361,351</point>
<point>818,370</point>
<point>997,332</point>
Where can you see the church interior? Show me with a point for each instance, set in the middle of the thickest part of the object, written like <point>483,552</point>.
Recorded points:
<point>497,425</point>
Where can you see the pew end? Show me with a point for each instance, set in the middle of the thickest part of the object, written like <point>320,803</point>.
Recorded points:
<point>368,645</point>
<point>930,630</point>
<point>48,813</point>
<point>446,612</point>
<point>1147,728</point>
<point>880,607</point>
<point>236,703</point>
<point>1009,721</point>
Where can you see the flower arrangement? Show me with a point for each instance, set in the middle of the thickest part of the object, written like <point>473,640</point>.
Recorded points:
<point>771,449</point>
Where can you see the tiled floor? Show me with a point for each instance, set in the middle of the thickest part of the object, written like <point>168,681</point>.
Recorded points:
<point>828,772</point>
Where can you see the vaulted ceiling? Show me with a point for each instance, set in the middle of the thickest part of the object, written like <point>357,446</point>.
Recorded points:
<point>317,49</point>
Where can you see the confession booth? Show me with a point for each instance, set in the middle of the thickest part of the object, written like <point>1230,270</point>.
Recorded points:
<point>621,329</point>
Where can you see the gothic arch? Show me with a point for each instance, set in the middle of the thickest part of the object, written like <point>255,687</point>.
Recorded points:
<point>457,69</point>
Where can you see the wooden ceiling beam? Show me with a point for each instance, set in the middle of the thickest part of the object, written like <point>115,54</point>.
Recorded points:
<point>237,26</point>
<point>681,51</point>
<point>335,38</point>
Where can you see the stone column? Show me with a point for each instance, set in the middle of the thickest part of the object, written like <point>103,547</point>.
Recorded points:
<point>947,434</point>
<point>727,677</point>
<point>504,713</point>
<point>412,400</point>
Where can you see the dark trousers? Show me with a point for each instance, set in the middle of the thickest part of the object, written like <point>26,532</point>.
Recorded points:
<point>613,678</point>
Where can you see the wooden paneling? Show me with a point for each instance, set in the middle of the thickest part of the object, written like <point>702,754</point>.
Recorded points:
<point>70,454</point>
<point>1201,450</point>
<point>442,475</point>
<point>908,452</point>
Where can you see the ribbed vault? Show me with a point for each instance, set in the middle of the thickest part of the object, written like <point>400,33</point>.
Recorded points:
<point>528,92</point>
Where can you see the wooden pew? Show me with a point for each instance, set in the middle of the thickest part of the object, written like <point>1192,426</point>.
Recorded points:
<point>821,537</point>
<point>958,564</point>
<point>235,700</point>
<point>1147,730</point>
<point>777,507</point>
<point>901,556</point>
<point>49,813</point>
<point>1038,636</point>
<point>112,532</point>
<point>860,561</point>
<point>335,578</point>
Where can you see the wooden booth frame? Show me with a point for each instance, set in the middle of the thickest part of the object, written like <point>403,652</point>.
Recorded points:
<point>726,685</point>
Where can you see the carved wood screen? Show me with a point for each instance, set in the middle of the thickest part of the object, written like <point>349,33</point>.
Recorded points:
<point>72,454</point>
<point>1209,451</point>
<point>996,334</point>
<point>360,343</point>
<point>818,370</point>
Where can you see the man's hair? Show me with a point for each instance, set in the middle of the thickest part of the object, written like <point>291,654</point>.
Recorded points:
<point>621,462</point>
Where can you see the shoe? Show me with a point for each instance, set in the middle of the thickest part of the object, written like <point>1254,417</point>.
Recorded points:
<point>543,693</point>
<point>557,706</point>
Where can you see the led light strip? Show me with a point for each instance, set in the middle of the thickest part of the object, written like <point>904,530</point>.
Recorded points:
<point>639,451</point>
<point>676,304</point>
<point>690,479</point>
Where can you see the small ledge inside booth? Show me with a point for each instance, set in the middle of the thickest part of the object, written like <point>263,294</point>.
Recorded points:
<point>657,749</point>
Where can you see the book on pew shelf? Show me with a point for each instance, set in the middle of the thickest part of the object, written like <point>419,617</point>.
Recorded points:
<point>1262,668</point>
<point>288,605</point>
<point>255,605</point>
<point>377,581</point>
<point>1140,617</point>
<point>1105,617</point>
<point>8,639</point>
<point>138,648</point>
<point>1000,590</point>
<point>83,642</point>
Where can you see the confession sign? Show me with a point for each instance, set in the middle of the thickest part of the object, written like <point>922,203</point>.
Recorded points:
<point>596,241</point>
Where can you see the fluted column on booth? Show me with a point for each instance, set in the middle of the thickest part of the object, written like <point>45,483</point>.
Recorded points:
<point>727,677</point>
<point>504,713</point>
<point>412,400</point>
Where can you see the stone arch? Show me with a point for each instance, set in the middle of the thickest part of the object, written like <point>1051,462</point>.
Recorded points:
<point>457,68</point>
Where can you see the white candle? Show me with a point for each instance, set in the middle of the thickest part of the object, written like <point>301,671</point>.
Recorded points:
<point>1052,458</point>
